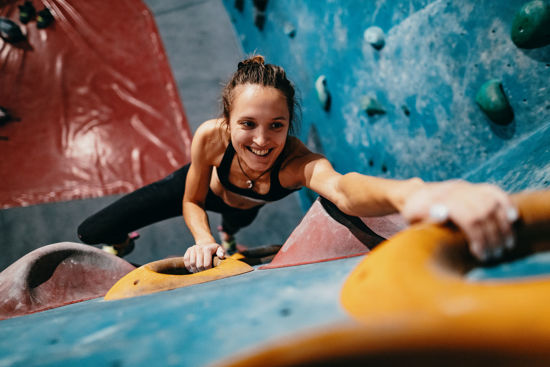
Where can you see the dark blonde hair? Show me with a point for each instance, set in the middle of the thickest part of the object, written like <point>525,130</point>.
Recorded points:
<point>254,70</point>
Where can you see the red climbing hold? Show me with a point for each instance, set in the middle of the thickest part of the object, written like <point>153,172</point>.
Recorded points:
<point>325,233</point>
<point>57,275</point>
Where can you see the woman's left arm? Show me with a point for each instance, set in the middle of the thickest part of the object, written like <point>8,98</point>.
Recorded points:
<point>483,212</point>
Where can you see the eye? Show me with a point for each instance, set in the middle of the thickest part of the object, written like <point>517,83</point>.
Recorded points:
<point>277,125</point>
<point>248,124</point>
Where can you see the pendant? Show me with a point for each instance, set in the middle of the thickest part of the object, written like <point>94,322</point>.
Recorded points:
<point>250,184</point>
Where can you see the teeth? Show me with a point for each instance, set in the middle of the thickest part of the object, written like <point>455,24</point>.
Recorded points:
<point>259,152</point>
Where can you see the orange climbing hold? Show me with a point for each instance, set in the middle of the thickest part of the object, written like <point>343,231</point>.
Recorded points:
<point>170,273</point>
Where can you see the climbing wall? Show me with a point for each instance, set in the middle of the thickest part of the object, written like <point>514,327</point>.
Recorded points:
<point>93,107</point>
<point>396,88</point>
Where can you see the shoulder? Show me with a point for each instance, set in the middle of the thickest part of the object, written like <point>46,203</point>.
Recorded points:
<point>298,154</point>
<point>295,165</point>
<point>209,142</point>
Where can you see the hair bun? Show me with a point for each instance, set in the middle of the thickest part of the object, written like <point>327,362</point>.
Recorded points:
<point>254,60</point>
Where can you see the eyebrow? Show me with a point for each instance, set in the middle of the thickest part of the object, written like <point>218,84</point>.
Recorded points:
<point>253,118</point>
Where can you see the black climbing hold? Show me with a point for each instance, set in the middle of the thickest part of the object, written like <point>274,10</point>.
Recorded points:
<point>406,110</point>
<point>372,107</point>
<point>44,19</point>
<point>322,92</point>
<point>26,12</point>
<point>384,168</point>
<point>493,101</point>
<point>261,5</point>
<point>371,162</point>
<point>259,20</point>
<point>5,116</point>
<point>10,31</point>
<point>531,26</point>
<point>239,5</point>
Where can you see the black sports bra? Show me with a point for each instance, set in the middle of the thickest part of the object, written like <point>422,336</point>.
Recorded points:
<point>276,191</point>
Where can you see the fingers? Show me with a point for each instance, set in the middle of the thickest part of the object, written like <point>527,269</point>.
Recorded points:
<point>220,252</point>
<point>189,259</point>
<point>199,257</point>
<point>486,220</point>
<point>484,213</point>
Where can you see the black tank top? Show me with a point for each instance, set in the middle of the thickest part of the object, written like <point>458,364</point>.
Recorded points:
<point>276,191</point>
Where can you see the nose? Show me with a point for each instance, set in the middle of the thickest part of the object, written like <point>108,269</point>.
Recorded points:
<point>261,138</point>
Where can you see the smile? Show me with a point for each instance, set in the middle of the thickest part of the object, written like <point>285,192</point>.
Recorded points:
<point>260,152</point>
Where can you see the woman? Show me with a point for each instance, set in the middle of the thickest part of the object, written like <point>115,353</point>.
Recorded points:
<point>247,158</point>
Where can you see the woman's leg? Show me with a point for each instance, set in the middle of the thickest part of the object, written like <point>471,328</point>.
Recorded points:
<point>149,204</point>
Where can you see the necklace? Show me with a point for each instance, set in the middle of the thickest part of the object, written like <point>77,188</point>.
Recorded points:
<point>250,182</point>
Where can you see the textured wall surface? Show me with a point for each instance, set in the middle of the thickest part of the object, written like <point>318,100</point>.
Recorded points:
<point>437,55</point>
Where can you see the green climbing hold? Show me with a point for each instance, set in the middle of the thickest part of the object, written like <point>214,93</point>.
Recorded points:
<point>531,26</point>
<point>26,12</point>
<point>492,100</point>
<point>44,18</point>
<point>372,107</point>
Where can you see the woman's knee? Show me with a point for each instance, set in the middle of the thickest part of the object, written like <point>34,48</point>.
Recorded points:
<point>85,233</point>
<point>93,232</point>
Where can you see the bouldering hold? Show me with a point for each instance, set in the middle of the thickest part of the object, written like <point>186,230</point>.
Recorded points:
<point>492,100</point>
<point>430,281</point>
<point>261,5</point>
<point>322,92</point>
<point>406,110</point>
<point>239,5</point>
<point>5,116</point>
<point>372,107</point>
<point>10,31</point>
<point>170,274</point>
<point>259,20</point>
<point>57,275</point>
<point>375,37</point>
<point>44,18</point>
<point>531,26</point>
<point>26,12</point>
<point>289,30</point>
<point>313,142</point>
<point>326,233</point>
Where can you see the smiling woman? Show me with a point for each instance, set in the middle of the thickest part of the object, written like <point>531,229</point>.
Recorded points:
<point>247,158</point>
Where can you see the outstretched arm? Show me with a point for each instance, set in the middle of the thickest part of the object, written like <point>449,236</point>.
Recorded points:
<point>483,212</point>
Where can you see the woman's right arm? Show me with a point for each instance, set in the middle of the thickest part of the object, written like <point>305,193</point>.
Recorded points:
<point>203,153</point>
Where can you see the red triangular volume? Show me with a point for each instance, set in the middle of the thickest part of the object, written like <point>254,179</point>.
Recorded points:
<point>326,233</point>
<point>57,275</point>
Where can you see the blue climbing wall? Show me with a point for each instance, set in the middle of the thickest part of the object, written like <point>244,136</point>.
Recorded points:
<point>437,55</point>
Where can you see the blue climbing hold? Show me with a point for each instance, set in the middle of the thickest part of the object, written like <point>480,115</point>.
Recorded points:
<point>375,37</point>
<point>371,106</point>
<point>289,30</point>
<point>322,92</point>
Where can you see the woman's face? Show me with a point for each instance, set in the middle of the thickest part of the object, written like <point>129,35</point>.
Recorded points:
<point>258,123</point>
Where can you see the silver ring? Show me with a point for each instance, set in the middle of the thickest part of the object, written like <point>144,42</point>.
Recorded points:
<point>512,214</point>
<point>439,213</point>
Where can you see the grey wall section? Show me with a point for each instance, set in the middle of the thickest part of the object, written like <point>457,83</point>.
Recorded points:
<point>437,54</point>
<point>203,51</point>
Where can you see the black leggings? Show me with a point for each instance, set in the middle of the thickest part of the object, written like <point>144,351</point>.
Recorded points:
<point>153,203</point>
